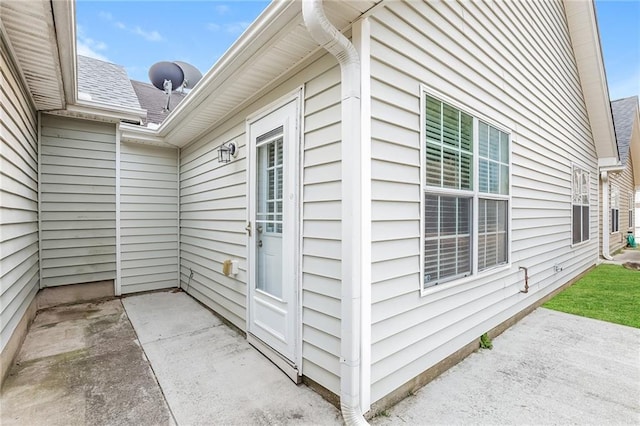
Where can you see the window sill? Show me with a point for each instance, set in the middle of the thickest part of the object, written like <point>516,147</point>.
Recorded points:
<point>580,244</point>
<point>462,281</point>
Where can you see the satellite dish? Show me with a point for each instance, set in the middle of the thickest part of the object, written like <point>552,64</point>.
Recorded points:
<point>191,74</point>
<point>161,71</point>
<point>170,76</point>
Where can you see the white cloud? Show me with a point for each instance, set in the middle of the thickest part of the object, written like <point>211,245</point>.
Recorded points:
<point>628,86</point>
<point>105,15</point>
<point>231,28</point>
<point>222,9</point>
<point>148,35</point>
<point>87,46</point>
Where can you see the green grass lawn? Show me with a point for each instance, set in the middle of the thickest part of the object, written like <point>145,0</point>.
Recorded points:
<point>608,293</point>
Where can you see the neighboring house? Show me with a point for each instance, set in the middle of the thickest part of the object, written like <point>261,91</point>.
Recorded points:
<point>431,179</point>
<point>619,188</point>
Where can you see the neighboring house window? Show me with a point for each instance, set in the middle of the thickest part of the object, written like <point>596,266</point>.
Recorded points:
<point>458,243</point>
<point>615,209</point>
<point>631,210</point>
<point>580,205</point>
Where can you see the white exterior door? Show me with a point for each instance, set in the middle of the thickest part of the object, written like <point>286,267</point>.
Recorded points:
<point>273,240</point>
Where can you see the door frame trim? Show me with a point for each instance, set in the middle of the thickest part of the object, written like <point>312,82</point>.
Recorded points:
<point>297,96</point>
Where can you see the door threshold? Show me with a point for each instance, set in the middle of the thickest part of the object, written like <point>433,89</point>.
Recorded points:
<point>282,363</point>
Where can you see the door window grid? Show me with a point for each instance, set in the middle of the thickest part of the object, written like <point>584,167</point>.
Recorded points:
<point>270,183</point>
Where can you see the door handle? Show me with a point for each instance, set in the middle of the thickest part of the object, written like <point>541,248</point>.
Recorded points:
<point>259,243</point>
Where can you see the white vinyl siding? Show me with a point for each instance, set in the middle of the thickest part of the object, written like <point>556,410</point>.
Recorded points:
<point>78,201</point>
<point>19,267</point>
<point>148,217</point>
<point>213,212</point>
<point>512,63</point>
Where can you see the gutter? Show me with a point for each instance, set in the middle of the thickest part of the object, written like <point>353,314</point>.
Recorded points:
<point>339,46</point>
<point>64,17</point>
<point>604,177</point>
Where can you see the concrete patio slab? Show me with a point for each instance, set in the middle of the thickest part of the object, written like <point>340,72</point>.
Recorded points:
<point>550,368</point>
<point>82,365</point>
<point>211,375</point>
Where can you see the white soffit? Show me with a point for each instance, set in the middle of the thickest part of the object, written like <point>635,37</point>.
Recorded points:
<point>273,45</point>
<point>32,35</point>
<point>585,39</point>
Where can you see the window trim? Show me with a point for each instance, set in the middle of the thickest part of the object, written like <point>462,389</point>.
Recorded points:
<point>588,172</point>
<point>475,194</point>
<point>612,208</point>
<point>631,211</point>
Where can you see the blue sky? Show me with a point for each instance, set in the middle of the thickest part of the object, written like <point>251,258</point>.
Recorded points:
<point>138,34</point>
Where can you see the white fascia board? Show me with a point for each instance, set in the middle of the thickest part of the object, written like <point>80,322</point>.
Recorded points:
<point>136,134</point>
<point>585,39</point>
<point>102,112</point>
<point>248,43</point>
<point>609,164</point>
<point>64,15</point>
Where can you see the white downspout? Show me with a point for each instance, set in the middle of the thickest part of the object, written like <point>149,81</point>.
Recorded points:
<point>604,176</point>
<point>339,46</point>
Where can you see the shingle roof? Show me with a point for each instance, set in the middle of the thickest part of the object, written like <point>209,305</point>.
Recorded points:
<point>624,111</point>
<point>105,82</point>
<point>154,100</point>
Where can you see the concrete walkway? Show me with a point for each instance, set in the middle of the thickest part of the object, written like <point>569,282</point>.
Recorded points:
<point>82,365</point>
<point>550,368</point>
<point>85,365</point>
<point>210,374</point>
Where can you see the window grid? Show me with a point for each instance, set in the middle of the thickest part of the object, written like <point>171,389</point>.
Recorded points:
<point>580,205</point>
<point>615,209</point>
<point>474,252</point>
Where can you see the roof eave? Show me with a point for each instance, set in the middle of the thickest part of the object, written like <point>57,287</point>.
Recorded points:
<point>230,61</point>
<point>583,28</point>
<point>102,112</point>
<point>137,134</point>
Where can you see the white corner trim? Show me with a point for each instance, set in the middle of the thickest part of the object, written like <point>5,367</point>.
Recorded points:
<point>118,283</point>
<point>362,42</point>
<point>39,166</point>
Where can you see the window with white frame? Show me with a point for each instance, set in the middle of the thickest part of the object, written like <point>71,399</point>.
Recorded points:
<point>580,205</point>
<point>631,206</point>
<point>615,209</point>
<point>466,193</point>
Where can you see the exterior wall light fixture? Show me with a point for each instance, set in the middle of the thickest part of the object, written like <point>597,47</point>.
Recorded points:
<point>227,151</point>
